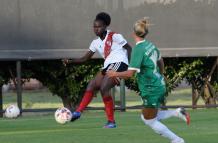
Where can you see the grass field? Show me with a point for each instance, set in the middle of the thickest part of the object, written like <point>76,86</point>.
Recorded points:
<point>39,128</point>
<point>42,128</point>
<point>44,99</point>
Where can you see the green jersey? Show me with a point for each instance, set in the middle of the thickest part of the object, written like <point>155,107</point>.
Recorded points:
<point>144,60</point>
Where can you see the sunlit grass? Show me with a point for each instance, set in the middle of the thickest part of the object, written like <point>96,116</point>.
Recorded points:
<point>44,99</point>
<point>38,128</point>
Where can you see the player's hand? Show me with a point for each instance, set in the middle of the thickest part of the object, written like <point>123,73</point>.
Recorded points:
<point>116,80</point>
<point>111,73</point>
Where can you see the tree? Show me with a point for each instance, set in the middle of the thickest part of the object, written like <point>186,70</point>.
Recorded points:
<point>67,82</point>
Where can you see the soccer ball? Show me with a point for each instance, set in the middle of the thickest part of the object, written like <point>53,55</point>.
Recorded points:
<point>12,111</point>
<point>63,115</point>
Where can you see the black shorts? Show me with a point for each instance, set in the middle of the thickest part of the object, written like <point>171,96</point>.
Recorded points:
<point>119,67</point>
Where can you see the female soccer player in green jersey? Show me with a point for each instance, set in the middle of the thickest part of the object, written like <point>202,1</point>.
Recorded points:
<point>147,62</point>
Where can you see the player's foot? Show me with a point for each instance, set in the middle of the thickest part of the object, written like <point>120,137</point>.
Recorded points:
<point>110,125</point>
<point>183,114</point>
<point>75,115</point>
<point>180,140</point>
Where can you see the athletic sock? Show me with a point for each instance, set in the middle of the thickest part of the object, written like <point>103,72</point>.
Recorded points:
<point>109,108</point>
<point>87,98</point>
<point>165,114</point>
<point>160,128</point>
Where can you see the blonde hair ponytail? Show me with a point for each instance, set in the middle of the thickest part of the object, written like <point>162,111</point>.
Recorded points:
<point>141,27</point>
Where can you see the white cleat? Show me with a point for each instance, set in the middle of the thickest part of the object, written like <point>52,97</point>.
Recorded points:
<point>180,140</point>
<point>183,114</point>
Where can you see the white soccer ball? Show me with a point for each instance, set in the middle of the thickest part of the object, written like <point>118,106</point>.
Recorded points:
<point>63,115</point>
<point>12,111</point>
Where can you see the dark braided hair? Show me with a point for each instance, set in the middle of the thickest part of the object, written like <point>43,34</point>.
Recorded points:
<point>102,16</point>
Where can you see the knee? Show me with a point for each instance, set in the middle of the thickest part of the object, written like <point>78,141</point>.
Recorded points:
<point>148,122</point>
<point>91,85</point>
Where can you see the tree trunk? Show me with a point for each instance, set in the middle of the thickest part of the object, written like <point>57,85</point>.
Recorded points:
<point>212,99</point>
<point>208,94</point>
<point>195,97</point>
<point>66,102</point>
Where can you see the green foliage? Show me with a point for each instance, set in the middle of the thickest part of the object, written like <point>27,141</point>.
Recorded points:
<point>71,81</point>
<point>189,68</point>
<point>194,70</point>
<point>4,72</point>
<point>65,81</point>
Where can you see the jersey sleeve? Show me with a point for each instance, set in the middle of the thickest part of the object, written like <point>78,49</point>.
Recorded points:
<point>136,59</point>
<point>119,39</point>
<point>92,47</point>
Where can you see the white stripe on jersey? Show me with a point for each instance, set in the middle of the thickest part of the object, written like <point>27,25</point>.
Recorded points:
<point>117,65</point>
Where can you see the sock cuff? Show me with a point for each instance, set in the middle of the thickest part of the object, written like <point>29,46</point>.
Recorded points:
<point>107,98</point>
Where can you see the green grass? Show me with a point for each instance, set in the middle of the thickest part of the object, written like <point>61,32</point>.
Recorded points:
<point>43,129</point>
<point>44,99</point>
<point>180,96</point>
<point>33,99</point>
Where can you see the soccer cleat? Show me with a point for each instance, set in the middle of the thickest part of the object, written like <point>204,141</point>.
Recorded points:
<point>110,125</point>
<point>183,114</point>
<point>180,140</point>
<point>75,115</point>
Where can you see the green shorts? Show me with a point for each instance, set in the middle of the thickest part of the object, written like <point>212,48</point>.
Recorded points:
<point>153,98</point>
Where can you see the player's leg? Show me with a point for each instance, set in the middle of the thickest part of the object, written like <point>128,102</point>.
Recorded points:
<point>106,85</point>
<point>88,95</point>
<point>179,112</point>
<point>105,89</point>
<point>149,117</point>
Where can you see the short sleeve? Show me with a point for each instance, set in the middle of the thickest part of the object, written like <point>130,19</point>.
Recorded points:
<point>136,59</point>
<point>119,39</point>
<point>92,47</point>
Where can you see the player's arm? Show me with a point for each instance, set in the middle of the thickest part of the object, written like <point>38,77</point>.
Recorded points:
<point>160,64</point>
<point>120,40</point>
<point>135,64</point>
<point>82,59</point>
<point>124,74</point>
<point>129,50</point>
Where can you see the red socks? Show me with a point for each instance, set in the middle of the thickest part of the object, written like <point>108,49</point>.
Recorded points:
<point>87,98</point>
<point>109,107</point>
<point>108,102</point>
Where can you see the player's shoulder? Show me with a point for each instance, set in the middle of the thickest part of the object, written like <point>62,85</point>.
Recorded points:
<point>117,37</point>
<point>117,34</point>
<point>150,44</point>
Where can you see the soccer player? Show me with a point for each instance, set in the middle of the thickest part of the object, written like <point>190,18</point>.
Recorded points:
<point>116,52</point>
<point>147,62</point>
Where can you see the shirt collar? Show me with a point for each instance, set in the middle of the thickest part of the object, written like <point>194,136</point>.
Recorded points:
<point>105,36</point>
<point>140,42</point>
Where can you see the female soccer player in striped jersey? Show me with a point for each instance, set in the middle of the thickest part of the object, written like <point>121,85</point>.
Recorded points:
<point>116,52</point>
